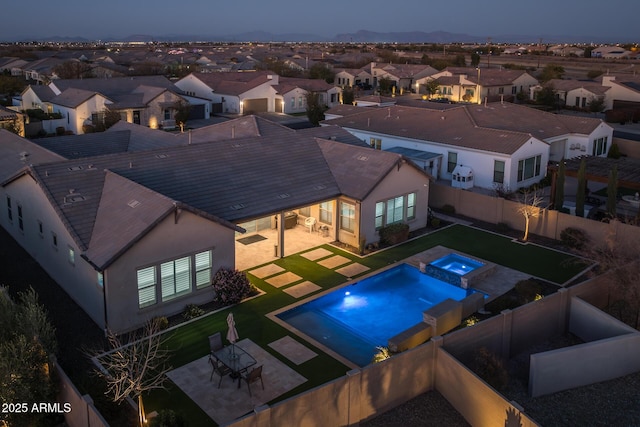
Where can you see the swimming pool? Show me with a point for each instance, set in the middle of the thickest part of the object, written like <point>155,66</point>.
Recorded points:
<point>354,319</point>
<point>457,264</point>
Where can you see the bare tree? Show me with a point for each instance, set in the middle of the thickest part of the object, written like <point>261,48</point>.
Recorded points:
<point>135,367</point>
<point>530,202</point>
<point>182,113</point>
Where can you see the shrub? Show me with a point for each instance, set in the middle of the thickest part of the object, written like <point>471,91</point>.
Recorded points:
<point>394,233</point>
<point>448,209</point>
<point>192,311</point>
<point>383,354</point>
<point>60,130</point>
<point>231,286</point>
<point>614,151</point>
<point>574,238</point>
<point>490,368</point>
<point>163,322</point>
<point>167,418</point>
<point>435,222</point>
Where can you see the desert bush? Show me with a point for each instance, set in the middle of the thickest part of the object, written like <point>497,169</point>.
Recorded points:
<point>614,151</point>
<point>192,311</point>
<point>574,238</point>
<point>231,286</point>
<point>435,222</point>
<point>163,322</point>
<point>490,368</point>
<point>394,233</point>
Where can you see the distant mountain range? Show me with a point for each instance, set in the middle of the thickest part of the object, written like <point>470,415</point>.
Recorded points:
<point>362,36</point>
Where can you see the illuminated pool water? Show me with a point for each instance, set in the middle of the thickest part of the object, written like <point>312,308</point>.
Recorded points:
<point>457,264</point>
<point>353,320</point>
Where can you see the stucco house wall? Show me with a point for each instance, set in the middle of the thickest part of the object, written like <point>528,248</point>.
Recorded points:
<point>618,92</point>
<point>398,182</point>
<point>78,279</point>
<point>167,241</point>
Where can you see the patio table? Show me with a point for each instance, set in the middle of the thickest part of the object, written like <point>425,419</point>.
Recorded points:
<point>236,359</point>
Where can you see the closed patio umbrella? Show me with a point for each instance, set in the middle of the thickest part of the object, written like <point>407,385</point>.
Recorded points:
<point>232,333</point>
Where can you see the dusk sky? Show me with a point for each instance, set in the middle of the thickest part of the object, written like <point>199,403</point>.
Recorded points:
<point>488,18</point>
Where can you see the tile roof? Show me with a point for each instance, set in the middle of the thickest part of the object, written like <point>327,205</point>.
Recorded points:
<point>519,118</point>
<point>234,83</point>
<point>451,127</point>
<point>347,162</point>
<point>87,145</point>
<point>287,84</point>
<point>567,85</point>
<point>12,161</point>
<point>72,97</point>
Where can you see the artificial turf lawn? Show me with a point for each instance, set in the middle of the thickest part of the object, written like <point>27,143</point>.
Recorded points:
<point>190,342</point>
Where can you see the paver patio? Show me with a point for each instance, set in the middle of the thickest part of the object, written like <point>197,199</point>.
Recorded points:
<point>302,289</point>
<point>229,402</point>
<point>316,254</point>
<point>334,261</point>
<point>293,350</point>
<point>283,279</point>
<point>266,271</point>
<point>352,269</point>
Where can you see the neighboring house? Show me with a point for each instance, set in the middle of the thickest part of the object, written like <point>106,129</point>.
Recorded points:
<point>147,100</point>
<point>574,93</point>
<point>12,65</point>
<point>127,236</point>
<point>12,120</point>
<point>41,70</point>
<point>350,77</point>
<point>292,94</point>
<point>477,85</point>
<point>498,144</point>
<point>610,52</point>
<point>565,50</point>
<point>404,77</point>
<point>257,91</point>
<point>234,92</point>
<point>621,91</point>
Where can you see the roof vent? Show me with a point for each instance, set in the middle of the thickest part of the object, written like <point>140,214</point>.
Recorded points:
<point>75,168</point>
<point>161,156</point>
<point>238,206</point>
<point>363,158</point>
<point>319,187</point>
<point>23,156</point>
<point>283,195</point>
<point>133,203</point>
<point>73,197</point>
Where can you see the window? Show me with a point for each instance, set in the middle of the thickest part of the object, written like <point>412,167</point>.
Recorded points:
<point>577,101</point>
<point>54,240</point>
<point>347,216</point>
<point>40,229</point>
<point>599,146</point>
<point>411,205</point>
<point>529,168</point>
<point>395,209</point>
<point>167,114</point>
<point>326,212</point>
<point>300,98</point>
<point>72,256</point>
<point>514,90</point>
<point>379,221</point>
<point>333,98</point>
<point>498,171</point>
<point>100,279</point>
<point>500,90</point>
<point>293,102</point>
<point>175,278</point>
<point>146,286</point>
<point>452,161</point>
<point>9,209</point>
<point>20,220</point>
<point>203,268</point>
<point>375,143</point>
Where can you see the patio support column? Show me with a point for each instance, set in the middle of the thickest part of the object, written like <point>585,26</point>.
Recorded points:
<point>280,248</point>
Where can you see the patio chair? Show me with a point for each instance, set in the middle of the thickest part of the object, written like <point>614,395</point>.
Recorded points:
<point>310,222</point>
<point>215,342</point>
<point>218,368</point>
<point>253,376</point>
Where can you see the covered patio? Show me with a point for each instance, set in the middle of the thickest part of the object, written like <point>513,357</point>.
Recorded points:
<point>261,246</point>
